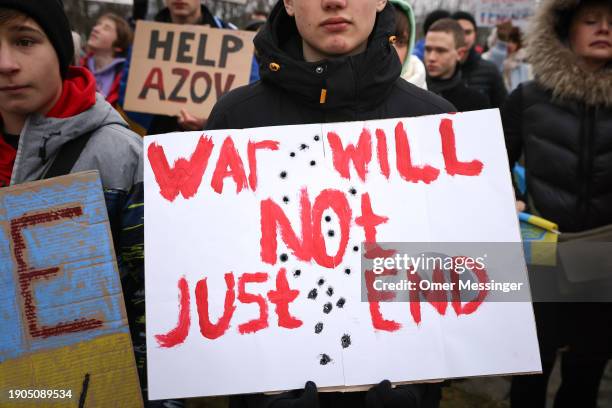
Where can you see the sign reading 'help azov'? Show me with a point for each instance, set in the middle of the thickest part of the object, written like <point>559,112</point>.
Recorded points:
<point>253,255</point>
<point>188,67</point>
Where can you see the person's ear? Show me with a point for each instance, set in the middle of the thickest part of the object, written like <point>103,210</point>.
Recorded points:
<point>380,5</point>
<point>461,51</point>
<point>289,7</point>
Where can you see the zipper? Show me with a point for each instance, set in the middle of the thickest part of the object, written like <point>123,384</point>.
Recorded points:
<point>586,164</point>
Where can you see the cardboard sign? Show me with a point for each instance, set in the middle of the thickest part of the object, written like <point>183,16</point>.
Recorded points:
<point>489,13</point>
<point>254,252</point>
<point>64,336</point>
<point>176,67</point>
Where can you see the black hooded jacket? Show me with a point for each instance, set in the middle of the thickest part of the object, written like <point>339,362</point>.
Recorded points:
<point>360,87</point>
<point>562,123</point>
<point>483,76</point>
<point>454,91</point>
<point>291,91</point>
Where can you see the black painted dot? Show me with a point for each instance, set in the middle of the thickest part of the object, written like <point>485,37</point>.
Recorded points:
<point>356,248</point>
<point>325,359</point>
<point>297,272</point>
<point>327,308</point>
<point>284,257</point>
<point>316,138</point>
<point>313,163</point>
<point>292,154</point>
<point>283,174</point>
<point>313,294</point>
<point>318,327</point>
<point>303,146</point>
<point>321,282</point>
<point>353,191</point>
<point>330,291</point>
<point>345,341</point>
<point>331,233</point>
<point>285,199</point>
<point>347,271</point>
<point>340,303</point>
<point>327,218</point>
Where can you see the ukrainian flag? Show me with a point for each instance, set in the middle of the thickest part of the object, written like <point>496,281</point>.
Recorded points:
<point>540,238</point>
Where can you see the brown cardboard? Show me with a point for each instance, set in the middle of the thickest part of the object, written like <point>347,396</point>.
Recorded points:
<point>176,67</point>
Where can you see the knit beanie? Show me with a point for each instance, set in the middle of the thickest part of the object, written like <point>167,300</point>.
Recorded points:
<point>464,15</point>
<point>50,15</point>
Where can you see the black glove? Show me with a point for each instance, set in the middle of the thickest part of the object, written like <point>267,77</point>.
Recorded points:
<point>306,398</point>
<point>403,396</point>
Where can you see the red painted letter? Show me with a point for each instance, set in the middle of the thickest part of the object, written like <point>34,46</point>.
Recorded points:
<point>281,297</point>
<point>252,149</point>
<point>262,322</point>
<point>155,80</point>
<point>178,335</point>
<point>229,157</point>
<point>186,175</point>
<point>209,330</point>
<point>273,217</point>
<point>335,200</point>
<point>360,156</point>
<point>449,150</point>
<point>407,171</point>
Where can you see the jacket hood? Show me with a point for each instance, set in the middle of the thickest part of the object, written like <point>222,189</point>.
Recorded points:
<point>556,67</point>
<point>407,9</point>
<point>359,81</point>
<point>43,136</point>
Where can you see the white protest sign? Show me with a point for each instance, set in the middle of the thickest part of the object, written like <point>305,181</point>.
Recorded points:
<point>253,261</point>
<point>489,13</point>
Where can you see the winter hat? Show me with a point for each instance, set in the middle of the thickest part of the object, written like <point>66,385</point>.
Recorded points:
<point>50,15</point>
<point>464,15</point>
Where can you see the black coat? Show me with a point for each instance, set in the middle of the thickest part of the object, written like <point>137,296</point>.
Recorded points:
<point>361,87</point>
<point>483,76</point>
<point>568,156</point>
<point>454,91</point>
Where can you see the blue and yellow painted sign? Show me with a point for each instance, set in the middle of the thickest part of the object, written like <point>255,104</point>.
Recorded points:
<point>64,336</point>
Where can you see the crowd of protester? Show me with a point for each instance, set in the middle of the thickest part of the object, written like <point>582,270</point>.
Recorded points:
<point>553,85</point>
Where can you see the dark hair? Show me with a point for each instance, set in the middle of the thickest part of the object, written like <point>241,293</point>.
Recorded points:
<point>7,15</point>
<point>516,37</point>
<point>464,15</point>
<point>402,26</point>
<point>124,33</point>
<point>433,17</point>
<point>450,26</point>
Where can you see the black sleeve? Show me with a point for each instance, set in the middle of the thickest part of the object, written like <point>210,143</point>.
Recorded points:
<point>511,115</point>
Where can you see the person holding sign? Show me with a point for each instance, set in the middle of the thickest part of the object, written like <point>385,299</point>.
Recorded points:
<point>184,12</point>
<point>53,123</point>
<point>561,122</point>
<point>329,61</point>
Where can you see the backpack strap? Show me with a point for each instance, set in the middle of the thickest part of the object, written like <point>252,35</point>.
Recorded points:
<point>67,156</point>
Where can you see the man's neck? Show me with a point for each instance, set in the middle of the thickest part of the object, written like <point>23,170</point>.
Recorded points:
<point>311,54</point>
<point>13,123</point>
<point>103,59</point>
<point>191,19</point>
